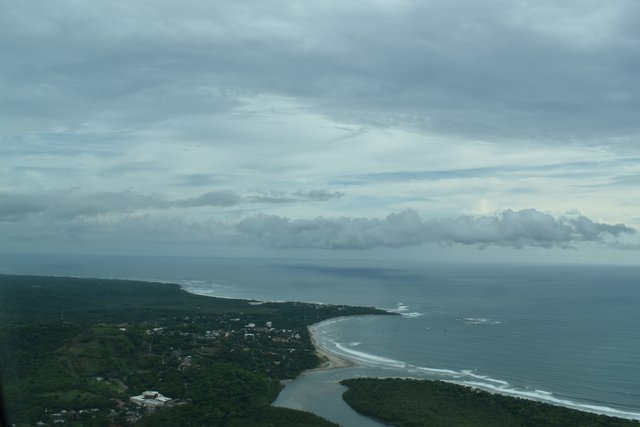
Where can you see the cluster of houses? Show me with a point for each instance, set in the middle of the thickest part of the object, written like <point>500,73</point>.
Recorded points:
<point>149,401</point>
<point>249,332</point>
<point>241,333</point>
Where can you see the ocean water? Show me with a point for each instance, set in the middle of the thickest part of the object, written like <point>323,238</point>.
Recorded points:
<point>568,335</point>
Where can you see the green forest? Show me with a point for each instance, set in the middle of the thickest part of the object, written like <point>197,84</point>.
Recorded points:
<point>414,403</point>
<point>73,351</point>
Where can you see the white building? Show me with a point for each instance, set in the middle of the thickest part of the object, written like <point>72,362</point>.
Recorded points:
<point>150,399</point>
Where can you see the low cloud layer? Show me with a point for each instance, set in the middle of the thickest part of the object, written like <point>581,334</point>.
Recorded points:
<point>64,205</point>
<point>113,219</point>
<point>297,196</point>
<point>517,229</point>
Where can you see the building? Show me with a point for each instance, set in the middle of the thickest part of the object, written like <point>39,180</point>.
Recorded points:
<point>151,399</point>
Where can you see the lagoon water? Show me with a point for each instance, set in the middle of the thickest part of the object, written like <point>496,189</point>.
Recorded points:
<point>564,334</point>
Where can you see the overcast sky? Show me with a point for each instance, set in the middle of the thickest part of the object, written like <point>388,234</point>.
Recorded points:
<point>451,128</point>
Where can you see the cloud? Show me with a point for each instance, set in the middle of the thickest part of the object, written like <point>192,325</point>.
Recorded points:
<point>17,207</point>
<point>63,205</point>
<point>318,195</point>
<point>534,69</point>
<point>212,198</point>
<point>510,228</point>
<point>210,109</point>
<point>272,197</point>
<point>296,196</point>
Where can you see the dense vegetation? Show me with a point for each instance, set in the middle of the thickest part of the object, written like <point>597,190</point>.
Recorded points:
<point>74,351</point>
<point>412,403</point>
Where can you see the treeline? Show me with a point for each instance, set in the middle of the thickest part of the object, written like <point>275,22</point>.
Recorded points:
<point>225,395</point>
<point>413,403</point>
<point>43,298</point>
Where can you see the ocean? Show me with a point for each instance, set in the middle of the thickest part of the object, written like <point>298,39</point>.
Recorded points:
<point>567,335</point>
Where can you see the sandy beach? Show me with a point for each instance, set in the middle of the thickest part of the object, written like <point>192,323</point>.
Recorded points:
<point>331,361</point>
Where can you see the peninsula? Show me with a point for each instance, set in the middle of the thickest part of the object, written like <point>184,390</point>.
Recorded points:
<point>403,402</point>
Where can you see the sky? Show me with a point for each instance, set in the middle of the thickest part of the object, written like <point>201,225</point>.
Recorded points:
<point>436,129</point>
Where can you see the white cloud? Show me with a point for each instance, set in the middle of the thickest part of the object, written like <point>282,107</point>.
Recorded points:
<point>510,228</point>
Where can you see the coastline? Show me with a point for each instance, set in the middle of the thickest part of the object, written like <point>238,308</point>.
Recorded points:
<point>331,360</point>
<point>334,361</point>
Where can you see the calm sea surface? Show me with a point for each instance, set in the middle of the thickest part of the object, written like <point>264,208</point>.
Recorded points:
<point>563,334</point>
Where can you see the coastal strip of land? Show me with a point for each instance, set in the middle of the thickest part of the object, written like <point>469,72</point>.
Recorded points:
<point>411,402</point>
<point>86,352</point>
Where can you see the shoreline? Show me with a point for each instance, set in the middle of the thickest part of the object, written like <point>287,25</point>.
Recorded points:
<point>334,361</point>
<point>331,360</point>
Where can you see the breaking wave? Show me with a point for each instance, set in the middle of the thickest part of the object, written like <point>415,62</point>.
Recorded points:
<point>479,321</point>
<point>466,377</point>
<point>403,309</point>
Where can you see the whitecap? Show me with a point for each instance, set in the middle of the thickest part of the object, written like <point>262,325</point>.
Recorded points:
<point>413,314</point>
<point>471,373</point>
<point>370,359</point>
<point>479,321</point>
<point>399,308</point>
<point>438,371</point>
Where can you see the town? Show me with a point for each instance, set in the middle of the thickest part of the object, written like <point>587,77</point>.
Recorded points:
<point>169,347</point>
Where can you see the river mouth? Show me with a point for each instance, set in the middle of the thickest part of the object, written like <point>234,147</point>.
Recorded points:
<point>319,391</point>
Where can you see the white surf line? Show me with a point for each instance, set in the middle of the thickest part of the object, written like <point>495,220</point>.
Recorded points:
<point>547,397</point>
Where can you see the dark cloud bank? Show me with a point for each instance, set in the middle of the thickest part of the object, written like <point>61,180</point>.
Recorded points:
<point>64,205</point>
<point>510,228</point>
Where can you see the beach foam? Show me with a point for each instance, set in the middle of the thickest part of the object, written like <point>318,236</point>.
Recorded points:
<point>370,359</point>
<point>547,397</point>
<point>466,377</point>
<point>413,314</point>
